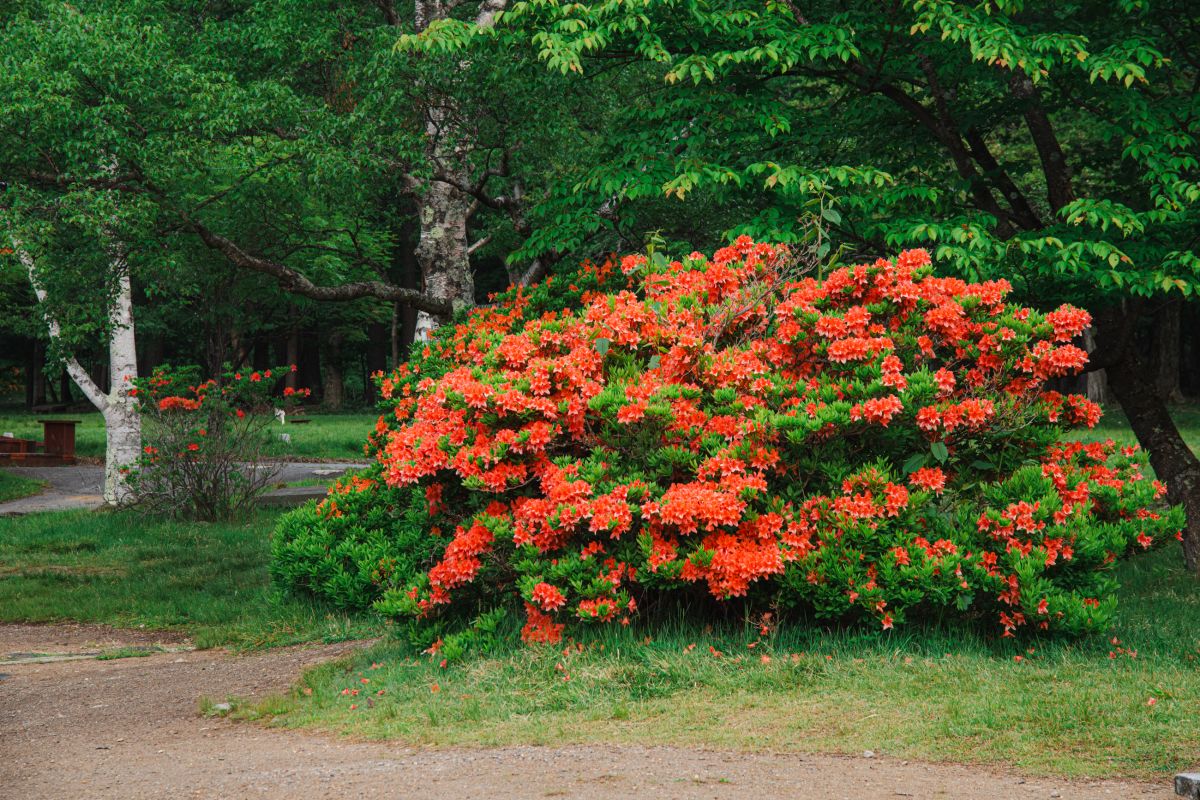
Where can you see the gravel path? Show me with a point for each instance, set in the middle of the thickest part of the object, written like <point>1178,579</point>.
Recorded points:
<point>82,486</point>
<point>130,729</point>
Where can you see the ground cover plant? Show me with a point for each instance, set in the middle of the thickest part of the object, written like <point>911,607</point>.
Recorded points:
<point>207,580</point>
<point>872,445</point>
<point>1114,705</point>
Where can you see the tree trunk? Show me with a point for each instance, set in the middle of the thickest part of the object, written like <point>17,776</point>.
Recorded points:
<point>1173,461</point>
<point>1096,381</point>
<point>395,337</point>
<point>406,332</point>
<point>64,387</point>
<point>1168,335</point>
<point>292,357</point>
<point>333,390</point>
<point>308,363</point>
<point>442,250</point>
<point>39,375</point>
<point>377,357</point>
<point>122,422</point>
<point>31,369</point>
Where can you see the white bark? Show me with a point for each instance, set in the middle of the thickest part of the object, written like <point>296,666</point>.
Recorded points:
<point>122,422</point>
<point>443,250</point>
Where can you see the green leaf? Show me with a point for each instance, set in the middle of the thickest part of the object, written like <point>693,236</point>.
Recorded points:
<point>602,346</point>
<point>939,451</point>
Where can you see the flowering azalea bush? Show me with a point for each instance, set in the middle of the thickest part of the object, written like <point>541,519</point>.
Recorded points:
<point>877,446</point>
<point>205,441</point>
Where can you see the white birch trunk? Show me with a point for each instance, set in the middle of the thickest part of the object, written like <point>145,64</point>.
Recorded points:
<point>122,422</point>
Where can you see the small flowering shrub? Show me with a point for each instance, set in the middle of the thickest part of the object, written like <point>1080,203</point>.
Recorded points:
<point>876,446</point>
<point>204,442</point>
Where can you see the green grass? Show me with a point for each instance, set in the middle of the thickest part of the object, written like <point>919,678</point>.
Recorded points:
<point>329,437</point>
<point>1066,708</point>
<point>14,487</point>
<point>1115,425</point>
<point>208,580</point>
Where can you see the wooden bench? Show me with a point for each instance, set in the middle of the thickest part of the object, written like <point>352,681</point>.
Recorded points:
<point>10,445</point>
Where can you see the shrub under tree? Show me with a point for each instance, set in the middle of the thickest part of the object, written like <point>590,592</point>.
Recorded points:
<point>877,444</point>
<point>206,442</point>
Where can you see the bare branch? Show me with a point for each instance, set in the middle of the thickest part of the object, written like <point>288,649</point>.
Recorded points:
<point>1059,189</point>
<point>293,281</point>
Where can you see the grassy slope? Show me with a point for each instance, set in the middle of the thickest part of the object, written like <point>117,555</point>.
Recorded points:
<point>329,437</point>
<point>209,580</point>
<point>1065,708</point>
<point>14,487</point>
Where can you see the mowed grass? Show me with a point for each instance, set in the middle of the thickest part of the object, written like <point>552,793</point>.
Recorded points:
<point>1064,708</point>
<point>209,581</point>
<point>328,437</point>
<point>14,487</point>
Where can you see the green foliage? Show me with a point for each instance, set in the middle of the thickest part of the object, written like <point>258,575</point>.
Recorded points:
<point>1052,145</point>
<point>349,547</point>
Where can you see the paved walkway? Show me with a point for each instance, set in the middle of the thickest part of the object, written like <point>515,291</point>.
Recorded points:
<point>129,729</point>
<point>81,487</point>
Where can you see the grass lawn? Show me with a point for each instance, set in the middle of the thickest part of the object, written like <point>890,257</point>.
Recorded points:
<point>207,580</point>
<point>14,487</point>
<point>1064,708</point>
<point>328,437</point>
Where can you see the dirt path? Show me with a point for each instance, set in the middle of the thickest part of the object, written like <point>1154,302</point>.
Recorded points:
<point>130,729</point>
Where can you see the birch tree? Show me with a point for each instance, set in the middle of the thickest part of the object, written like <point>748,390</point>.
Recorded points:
<point>118,405</point>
